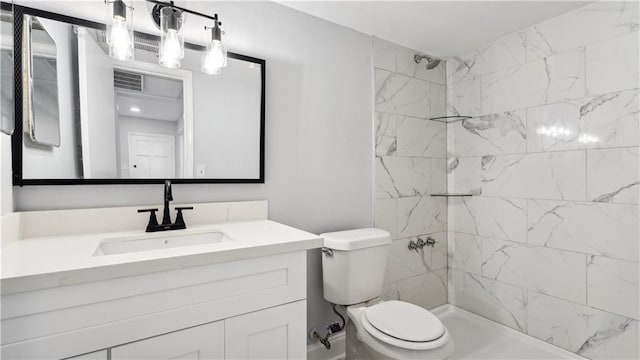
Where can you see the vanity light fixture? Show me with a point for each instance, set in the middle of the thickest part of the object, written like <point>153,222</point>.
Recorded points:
<point>215,57</point>
<point>120,30</point>
<point>169,18</point>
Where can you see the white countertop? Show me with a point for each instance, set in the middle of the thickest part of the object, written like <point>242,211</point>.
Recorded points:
<point>50,261</point>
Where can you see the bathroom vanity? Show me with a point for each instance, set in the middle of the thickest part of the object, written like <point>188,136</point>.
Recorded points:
<point>91,284</point>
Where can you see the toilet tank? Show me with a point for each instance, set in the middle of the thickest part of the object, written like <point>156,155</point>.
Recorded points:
<point>353,265</point>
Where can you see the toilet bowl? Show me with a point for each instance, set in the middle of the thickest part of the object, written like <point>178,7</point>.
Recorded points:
<point>396,330</point>
<point>353,267</point>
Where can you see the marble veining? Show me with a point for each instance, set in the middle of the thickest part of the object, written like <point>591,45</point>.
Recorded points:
<point>386,141</point>
<point>556,78</point>
<point>494,300</point>
<point>422,215</point>
<point>552,175</point>
<point>419,137</point>
<point>590,24</point>
<point>428,290</point>
<point>503,133</point>
<point>403,176</point>
<point>550,245</point>
<point>403,263</point>
<point>385,211</point>
<point>464,175</point>
<point>492,217</point>
<point>584,330</point>
<point>624,187</point>
<point>549,271</point>
<point>507,51</point>
<point>410,165</point>
<point>402,95</point>
<point>610,230</point>
<point>614,285</point>
<point>465,252</point>
<point>464,98</point>
<point>609,120</point>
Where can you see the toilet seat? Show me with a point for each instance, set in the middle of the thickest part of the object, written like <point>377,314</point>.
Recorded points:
<point>403,325</point>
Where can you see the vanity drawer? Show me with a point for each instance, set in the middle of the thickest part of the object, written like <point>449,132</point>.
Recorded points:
<point>69,320</point>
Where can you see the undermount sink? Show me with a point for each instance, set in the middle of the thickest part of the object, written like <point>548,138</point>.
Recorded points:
<point>156,241</point>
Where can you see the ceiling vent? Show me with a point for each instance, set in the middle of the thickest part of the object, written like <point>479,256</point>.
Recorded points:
<point>128,80</point>
<point>140,41</point>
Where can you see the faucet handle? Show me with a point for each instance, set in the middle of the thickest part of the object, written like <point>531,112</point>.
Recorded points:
<point>153,221</point>
<point>147,210</point>
<point>179,219</point>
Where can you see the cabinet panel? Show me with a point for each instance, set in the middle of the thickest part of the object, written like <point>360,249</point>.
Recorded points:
<point>98,355</point>
<point>274,333</point>
<point>196,343</point>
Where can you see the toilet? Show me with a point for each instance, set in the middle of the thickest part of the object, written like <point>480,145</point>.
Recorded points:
<point>353,268</point>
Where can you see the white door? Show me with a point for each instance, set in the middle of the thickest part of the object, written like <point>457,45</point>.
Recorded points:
<point>204,342</point>
<point>151,156</point>
<point>275,333</point>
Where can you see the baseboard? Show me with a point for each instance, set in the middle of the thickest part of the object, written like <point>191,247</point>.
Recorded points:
<point>317,351</point>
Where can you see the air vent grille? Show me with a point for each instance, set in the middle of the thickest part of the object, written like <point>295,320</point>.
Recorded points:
<point>139,42</point>
<point>128,80</point>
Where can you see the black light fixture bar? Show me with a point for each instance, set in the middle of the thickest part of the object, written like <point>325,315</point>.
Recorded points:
<point>171,4</point>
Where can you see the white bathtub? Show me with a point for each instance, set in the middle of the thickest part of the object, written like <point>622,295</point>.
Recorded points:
<point>475,338</point>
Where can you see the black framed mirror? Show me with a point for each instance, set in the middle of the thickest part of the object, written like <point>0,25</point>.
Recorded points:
<point>129,122</point>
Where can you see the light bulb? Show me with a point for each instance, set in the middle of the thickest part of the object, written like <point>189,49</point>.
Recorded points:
<point>170,53</point>
<point>120,31</point>
<point>119,40</point>
<point>215,58</point>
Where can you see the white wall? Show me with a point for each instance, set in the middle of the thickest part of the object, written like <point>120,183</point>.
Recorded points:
<point>318,127</point>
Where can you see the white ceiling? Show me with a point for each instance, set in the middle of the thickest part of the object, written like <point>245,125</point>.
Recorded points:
<point>439,28</point>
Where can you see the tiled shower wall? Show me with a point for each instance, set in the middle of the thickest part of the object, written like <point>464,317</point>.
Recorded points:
<point>550,245</point>
<point>410,165</point>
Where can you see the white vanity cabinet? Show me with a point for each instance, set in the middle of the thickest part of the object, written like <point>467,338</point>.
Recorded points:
<point>275,333</point>
<point>244,309</point>
<point>202,342</point>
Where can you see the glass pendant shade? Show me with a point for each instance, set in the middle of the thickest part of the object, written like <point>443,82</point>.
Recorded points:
<point>215,57</point>
<point>171,37</point>
<point>120,30</point>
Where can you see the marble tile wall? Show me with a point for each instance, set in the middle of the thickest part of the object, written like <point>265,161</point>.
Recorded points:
<point>410,165</point>
<point>550,244</point>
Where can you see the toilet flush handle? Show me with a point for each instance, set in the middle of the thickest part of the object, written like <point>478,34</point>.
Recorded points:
<point>327,251</point>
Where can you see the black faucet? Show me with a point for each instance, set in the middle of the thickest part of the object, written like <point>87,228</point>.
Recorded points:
<point>153,225</point>
<point>168,197</point>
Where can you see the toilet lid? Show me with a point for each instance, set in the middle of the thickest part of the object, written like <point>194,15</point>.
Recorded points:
<point>404,321</point>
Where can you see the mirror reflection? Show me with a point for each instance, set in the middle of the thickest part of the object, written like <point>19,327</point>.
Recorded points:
<point>137,119</point>
<point>43,118</point>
